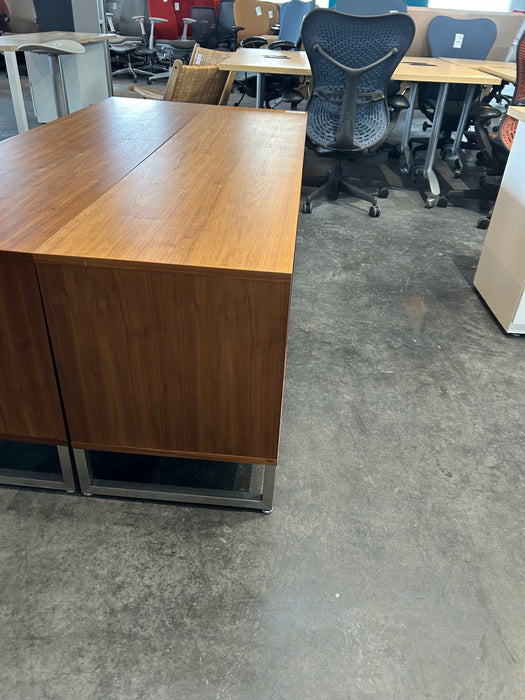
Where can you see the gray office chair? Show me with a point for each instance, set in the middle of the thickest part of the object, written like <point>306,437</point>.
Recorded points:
<point>55,49</point>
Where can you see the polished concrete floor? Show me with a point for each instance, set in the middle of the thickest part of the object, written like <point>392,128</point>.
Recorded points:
<point>392,566</point>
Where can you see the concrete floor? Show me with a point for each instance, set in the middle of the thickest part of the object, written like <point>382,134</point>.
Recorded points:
<point>392,566</point>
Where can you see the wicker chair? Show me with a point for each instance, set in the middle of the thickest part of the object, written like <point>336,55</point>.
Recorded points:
<point>201,81</point>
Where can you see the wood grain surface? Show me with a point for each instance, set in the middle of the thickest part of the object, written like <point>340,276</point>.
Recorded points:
<point>169,363</point>
<point>221,194</point>
<point>52,173</point>
<point>29,402</point>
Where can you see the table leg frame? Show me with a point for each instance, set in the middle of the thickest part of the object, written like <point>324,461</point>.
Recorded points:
<point>15,86</point>
<point>44,480</point>
<point>161,492</point>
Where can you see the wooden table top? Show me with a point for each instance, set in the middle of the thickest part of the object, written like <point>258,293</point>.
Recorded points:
<point>221,194</point>
<point>411,68</point>
<point>517,113</point>
<point>502,69</point>
<point>438,70</point>
<point>11,42</point>
<point>51,173</point>
<point>268,61</point>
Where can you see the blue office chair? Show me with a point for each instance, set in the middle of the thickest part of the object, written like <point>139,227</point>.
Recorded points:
<point>352,60</point>
<point>291,17</point>
<point>455,38</point>
<point>370,7</point>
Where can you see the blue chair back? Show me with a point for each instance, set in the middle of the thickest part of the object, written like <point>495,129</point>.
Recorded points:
<point>370,7</point>
<point>461,38</point>
<point>291,18</point>
<point>352,60</point>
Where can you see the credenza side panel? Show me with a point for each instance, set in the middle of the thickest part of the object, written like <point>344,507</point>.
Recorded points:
<point>169,361</point>
<point>29,401</point>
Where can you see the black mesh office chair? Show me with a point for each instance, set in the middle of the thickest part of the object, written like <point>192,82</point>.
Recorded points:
<point>352,60</point>
<point>204,29</point>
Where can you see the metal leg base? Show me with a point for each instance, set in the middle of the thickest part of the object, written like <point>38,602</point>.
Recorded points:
<point>160,492</point>
<point>44,480</point>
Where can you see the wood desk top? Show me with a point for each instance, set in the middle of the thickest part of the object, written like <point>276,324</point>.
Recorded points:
<point>502,69</point>
<point>221,194</point>
<point>11,42</point>
<point>438,70</point>
<point>411,68</point>
<point>268,61</point>
<point>517,113</point>
<point>51,173</point>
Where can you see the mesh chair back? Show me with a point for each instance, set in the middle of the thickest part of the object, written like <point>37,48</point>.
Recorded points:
<point>204,29</point>
<point>352,60</point>
<point>508,126</point>
<point>370,7</point>
<point>291,18</point>
<point>225,20</point>
<point>461,38</point>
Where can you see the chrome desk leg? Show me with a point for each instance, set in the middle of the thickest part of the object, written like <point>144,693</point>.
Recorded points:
<point>15,87</point>
<point>67,469</point>
<point>259,100</point>
<point>405,144</point>
<point>428,170</point>
<point>455,150</point>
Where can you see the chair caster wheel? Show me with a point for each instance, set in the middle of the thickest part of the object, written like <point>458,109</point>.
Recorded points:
<point>483,223</point>
<point>430,203</point>
<point>382,193</point>
<point>458,173</point>
<point>307,207</point>
<point>374,211</point>
<point>266,512</point>
<point>414,176</point>
<point>442,202</point>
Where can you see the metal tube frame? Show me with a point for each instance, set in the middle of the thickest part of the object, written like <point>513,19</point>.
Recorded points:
<point>44,480</point>
<point>161,492</point>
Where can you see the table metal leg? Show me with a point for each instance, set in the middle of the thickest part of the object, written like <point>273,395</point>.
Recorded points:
<point>259,98</point>
<point>405,144</point>
<point>15,87</point>
<point>455,149</point>
<point>91,485</point>
<point>428,170</point>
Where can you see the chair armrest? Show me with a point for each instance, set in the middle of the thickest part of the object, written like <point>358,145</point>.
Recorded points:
<point>254,42</point>
<point>146,92</point>
<point>283,45</point>
<point>484,113</point>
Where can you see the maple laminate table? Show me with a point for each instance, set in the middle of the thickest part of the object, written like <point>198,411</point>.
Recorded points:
<point>261,61</point>
<point>166,285</point>
<point>500,274</point>
<point>411,69</point>
<point>87,77</point>
<point>502,69</point>
<point>48,178</point>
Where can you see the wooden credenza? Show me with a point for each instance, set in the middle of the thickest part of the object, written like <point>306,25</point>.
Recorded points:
<point>161,239</point>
